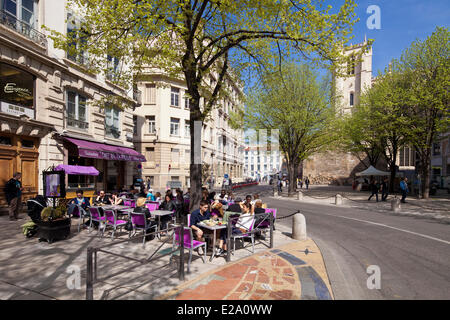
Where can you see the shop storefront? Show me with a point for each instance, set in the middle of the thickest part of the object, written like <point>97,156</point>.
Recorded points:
<point>20,135</point>
<point>110,160</point>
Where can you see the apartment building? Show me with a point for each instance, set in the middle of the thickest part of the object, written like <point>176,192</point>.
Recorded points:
<point>163,133</point>
<point>47,113</point>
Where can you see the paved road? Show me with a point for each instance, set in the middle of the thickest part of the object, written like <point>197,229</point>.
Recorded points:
<point>413,254</point>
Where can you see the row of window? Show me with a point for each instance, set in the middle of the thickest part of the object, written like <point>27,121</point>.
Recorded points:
<point>77,115</point>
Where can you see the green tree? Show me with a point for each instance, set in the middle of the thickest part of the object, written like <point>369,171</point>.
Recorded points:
<point>426,66</point>
<point>385,106</point>
<point>192,39</point>
<point>298,105</point>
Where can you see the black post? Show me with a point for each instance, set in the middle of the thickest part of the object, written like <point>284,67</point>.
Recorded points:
<point>181,268</point>
<point>271,230</point>
<point>228,240</point>
<point>95,264</point>
<point>89,276</point>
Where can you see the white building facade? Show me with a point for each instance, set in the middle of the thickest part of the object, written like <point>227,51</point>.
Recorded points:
<point>47,113</point>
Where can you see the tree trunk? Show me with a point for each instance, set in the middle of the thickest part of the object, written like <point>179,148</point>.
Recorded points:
<point>425,172</point>
<point>292,170</point>
<point>195,171</point>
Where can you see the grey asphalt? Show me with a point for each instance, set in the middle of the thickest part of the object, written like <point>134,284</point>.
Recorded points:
<point>413,254</point>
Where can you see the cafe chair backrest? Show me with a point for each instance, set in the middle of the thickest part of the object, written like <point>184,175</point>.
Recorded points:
<point>152,206</point>
<point>187,236</point>
<point>110,217</point>
<point>273,210</point>
<point>138,219</point>
<point>129,203</point>
<point>96,213</point>
<point>189,220</point>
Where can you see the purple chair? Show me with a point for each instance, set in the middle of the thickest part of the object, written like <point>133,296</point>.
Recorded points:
<point>189,243</point>
<point>139,222</point>
<point>111,220</point>
<point>97,216</point>
<point>266,223</point>
<point>129,203</point>
<point>79,212</point>
<point>152,206</point>
<point>245,221</point>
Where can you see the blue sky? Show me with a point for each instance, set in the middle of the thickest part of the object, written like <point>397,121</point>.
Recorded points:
<point>402,22</point>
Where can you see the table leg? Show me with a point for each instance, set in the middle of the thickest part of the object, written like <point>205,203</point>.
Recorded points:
<point>213,246</point>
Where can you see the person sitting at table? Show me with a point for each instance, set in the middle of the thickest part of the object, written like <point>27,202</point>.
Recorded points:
<point>237,229</point>
<point>248,200</point>
<point>222,194</point>
<point>80,200</point>
<point>168,205</point>
<point>141,208</point>
<point>217,208</point>
<point>235,207</point>
<point>158,196</point>
<point>150,195</point>
<point>116,200</point>
<point>197,216</point>
<point>102,198</point>
<point>259,207</point>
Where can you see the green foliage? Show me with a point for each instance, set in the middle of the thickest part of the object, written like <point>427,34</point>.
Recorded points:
<point>298,105</point>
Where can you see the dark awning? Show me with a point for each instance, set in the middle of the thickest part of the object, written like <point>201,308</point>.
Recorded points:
<point>96,150</point>
<point>82,170</point>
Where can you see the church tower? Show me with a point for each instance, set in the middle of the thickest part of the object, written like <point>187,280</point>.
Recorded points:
<point>359,76</point>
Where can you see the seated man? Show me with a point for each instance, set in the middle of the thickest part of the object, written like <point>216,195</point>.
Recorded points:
<point>80,200</point>
<point>197,216</point>
<point>102,198</point>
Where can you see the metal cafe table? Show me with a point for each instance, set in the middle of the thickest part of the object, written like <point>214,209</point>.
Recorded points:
<point>213,228</point>
<point>117,208</point>
<point>159,213</point>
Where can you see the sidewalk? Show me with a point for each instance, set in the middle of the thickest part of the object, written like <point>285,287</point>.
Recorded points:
<point>436,208</point>
<point>35,270</point>
<point>291,272</point>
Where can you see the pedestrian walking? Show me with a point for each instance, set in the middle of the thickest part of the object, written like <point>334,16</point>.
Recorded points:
<point>13,191</point>
<point>404,188</point>
<point>280,186</point>
<point>149,185</point>
<point>384,189</point>
<point>374,189</point>
<point>307,183</point>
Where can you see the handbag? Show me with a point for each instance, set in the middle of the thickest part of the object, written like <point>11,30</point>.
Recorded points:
<point>128,226</point>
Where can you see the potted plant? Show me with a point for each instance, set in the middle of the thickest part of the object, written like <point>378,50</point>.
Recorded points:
<point>54,224</point>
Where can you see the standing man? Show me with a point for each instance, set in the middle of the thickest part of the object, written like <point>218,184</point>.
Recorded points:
<point>404,188</point>
<point>280,186</point>
<point>384,189</point>
<point>13,190</point>
<point>148,184</point>
<point>307,183</point>
<point>374,189</point>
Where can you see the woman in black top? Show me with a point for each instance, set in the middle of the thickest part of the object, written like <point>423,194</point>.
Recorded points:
<point>169,205</point>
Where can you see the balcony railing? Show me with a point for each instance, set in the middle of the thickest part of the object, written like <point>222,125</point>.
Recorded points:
<point>112,132</point>
<point>23,28</point>
<point>74,123</point>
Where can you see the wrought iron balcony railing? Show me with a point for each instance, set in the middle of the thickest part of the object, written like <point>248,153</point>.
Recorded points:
<point>74,123</point>
<point>112,132</point>
<point>23,28</point>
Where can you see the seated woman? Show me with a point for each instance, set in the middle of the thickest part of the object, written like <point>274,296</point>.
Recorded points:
<point>169,205</point>
<point>116,200</point>
<point>158,196</point>
<point>217,208</point>
<point>141,208</point>
<point>234,231</point>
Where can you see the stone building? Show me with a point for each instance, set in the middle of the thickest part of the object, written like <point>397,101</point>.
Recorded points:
<point>339,168</point>
<point>47,117</point>
<point>163,133</point>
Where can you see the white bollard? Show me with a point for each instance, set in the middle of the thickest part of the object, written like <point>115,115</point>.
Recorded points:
<point>275,193</point>
<point>299,227</point>
<point>338,200</point>
<point>300,195</point>
<point>395,205</point>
